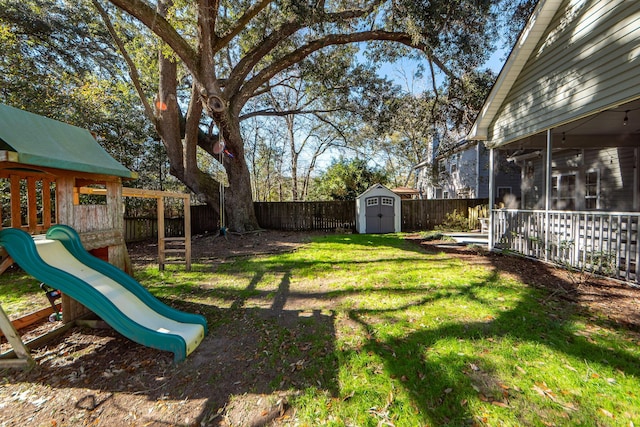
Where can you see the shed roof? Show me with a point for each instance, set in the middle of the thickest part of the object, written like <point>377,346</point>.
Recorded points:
<point>378,189</point>
<point>44,142</point>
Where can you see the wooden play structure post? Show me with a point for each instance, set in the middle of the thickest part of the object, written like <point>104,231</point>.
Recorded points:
<point>23,357</point>
<point>45,164</point>
<point>168,245</point>
<point>59,174</point>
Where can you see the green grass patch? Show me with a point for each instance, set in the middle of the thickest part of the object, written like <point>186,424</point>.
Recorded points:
<point>20,293</point>
<point>371,330</point>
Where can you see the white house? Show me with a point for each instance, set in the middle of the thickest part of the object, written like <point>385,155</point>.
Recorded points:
<point>566,108</point>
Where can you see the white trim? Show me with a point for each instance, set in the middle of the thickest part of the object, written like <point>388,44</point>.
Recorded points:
<point>538,22</point>
<point>547,187</point>
<point>636,179</point>
<point>477,189</point>
<point>560,195</point>
<point>492,182</point>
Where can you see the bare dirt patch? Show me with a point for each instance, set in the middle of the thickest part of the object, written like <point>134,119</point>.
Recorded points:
<point>212,247</point>
<point>97,377</point>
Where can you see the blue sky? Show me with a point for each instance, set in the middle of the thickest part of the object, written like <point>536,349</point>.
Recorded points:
<point>402,71</point>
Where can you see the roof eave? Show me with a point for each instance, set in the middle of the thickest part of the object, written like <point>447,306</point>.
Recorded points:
<point>531,34</point>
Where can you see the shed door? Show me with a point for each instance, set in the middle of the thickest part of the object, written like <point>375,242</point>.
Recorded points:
<point>380,214</point>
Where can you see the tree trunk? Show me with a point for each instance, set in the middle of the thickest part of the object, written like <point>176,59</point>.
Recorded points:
<point>238,201</point>
<point>182,135</point>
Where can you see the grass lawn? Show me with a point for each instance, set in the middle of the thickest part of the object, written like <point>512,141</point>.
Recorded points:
<point>386,334</point>
<point>424,339</point>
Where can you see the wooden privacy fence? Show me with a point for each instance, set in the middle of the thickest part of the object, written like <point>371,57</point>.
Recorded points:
<point>427,214</point>
<point>302,216</point>
<point>203,219</point>
<point>309,216</point>
<point>137,229</point>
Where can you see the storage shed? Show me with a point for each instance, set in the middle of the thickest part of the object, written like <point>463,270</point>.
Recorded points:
<point>378,210</point>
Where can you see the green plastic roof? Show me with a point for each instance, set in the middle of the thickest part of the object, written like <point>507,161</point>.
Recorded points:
<point>40,141</point>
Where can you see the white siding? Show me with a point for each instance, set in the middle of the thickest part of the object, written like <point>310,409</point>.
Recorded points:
<point>588,60</point>
<point>616,166</point>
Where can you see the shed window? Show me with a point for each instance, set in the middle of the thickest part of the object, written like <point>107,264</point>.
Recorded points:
<point>373,201</point>
<point>387,201</point>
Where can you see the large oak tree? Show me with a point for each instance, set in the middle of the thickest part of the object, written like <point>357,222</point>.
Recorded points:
<point>235,51</point>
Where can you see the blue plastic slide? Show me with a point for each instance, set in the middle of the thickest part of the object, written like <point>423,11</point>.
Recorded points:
<point>59,260</point>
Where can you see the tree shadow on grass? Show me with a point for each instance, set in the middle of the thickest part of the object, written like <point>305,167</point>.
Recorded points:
<point>441,385</point>
<point>256,354</point>
<point>266,352</point>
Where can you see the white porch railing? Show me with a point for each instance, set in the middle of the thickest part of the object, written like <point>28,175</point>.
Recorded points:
<point>604,242</point>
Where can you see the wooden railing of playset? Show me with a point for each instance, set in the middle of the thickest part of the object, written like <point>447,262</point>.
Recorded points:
<point>33,212</point>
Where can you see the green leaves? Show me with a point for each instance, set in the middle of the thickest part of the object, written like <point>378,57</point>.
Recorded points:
<point>346,179</point>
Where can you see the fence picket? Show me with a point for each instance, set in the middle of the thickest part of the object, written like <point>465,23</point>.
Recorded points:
<point>417,215</point>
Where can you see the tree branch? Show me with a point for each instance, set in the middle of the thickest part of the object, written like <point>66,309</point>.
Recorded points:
<point>249,61</point>
<point>133,70</point>
<point>274,113</point>
<point>333,39</point>
<point>241,23</point>
<point>331,124</point>
<point>206,35</point>
<point>251,58</point>
<point>142,11</point>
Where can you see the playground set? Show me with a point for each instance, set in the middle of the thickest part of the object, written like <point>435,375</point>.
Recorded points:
<point>64,226</point>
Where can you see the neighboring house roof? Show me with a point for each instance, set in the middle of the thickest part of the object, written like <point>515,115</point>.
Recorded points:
<point>462,145</point>
<point>538,22</point>
<point>405,191</point>
<point>35,140</point>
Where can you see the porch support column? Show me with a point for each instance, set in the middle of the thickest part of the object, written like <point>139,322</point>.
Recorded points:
<point>636,184</point>
<point>547,191</point>
<point>477,189</point>
<point>492,180</point>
